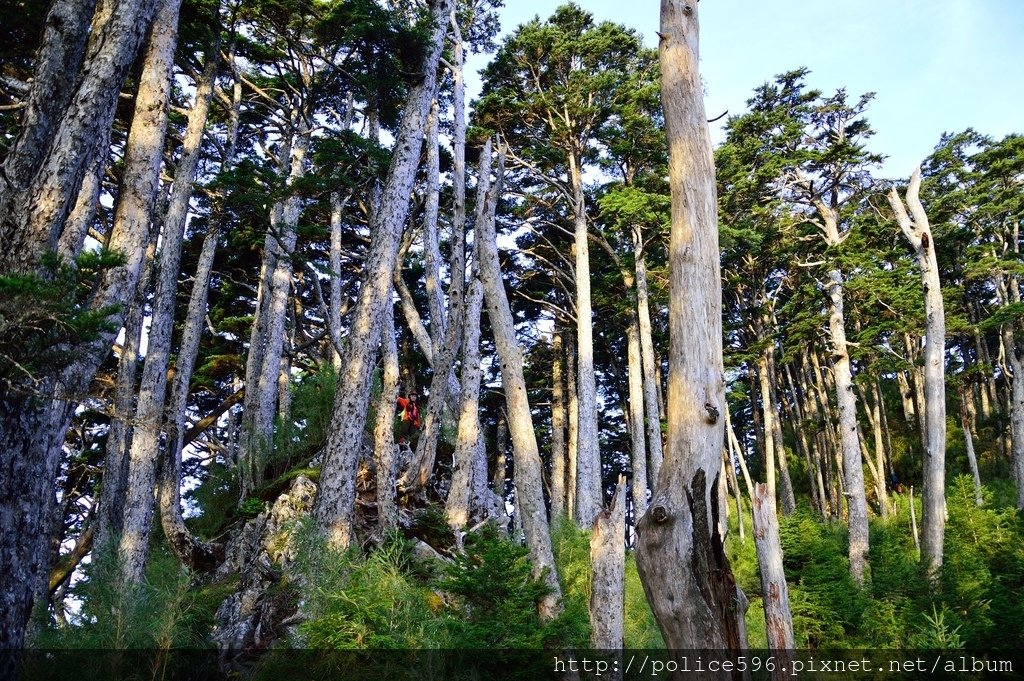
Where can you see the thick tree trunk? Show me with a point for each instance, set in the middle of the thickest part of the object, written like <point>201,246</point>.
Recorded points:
<point>52,161</point>
<point>528,475</point>
<point>636,420</point>
<point>589,492</point>
<point>384,429</point>
<point>335,500</point>
<point>918,233</point>
<point>558,458</point>
<point>682,563</point>
<point>853,466</point>
<point>651,388</point>
<point>608,569</point>
<point>777,617</point>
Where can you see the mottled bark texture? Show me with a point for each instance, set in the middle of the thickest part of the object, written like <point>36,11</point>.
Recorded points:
<point>384,429</point>
<point>679,553</point>
<point>608,570</point>
<point>336,499</point>
<point>917,230</point>
<point>528,476</point>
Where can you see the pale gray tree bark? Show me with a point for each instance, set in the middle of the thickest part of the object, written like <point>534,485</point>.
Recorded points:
<point>573,420</point>
<point>335,500</point>
<point>143,454</point>
<point>526,454</point>
<point>589,494</point>
<point>650,372</point>
<point>608,571</point>
<point>384,429</point>
<point>972,458</point>
<point>558,454</point>
<point>778,619</point>
<point>917,230</point>
<point>680,557</point>
<point>636,419</point>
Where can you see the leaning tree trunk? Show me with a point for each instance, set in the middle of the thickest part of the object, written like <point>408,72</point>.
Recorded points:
<point>144,452</point>
<point>682,563</point>
<point>608,569</point>
<point>335,500</point>
<point>526,455</point>
<point>34,418</point>
<point>918,233</point>
<point>777,617</point>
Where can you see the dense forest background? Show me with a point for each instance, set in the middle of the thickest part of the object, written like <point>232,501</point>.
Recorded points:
<point>233,233</point>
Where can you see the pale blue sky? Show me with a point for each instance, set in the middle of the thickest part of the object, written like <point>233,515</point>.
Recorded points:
<point>936,65</point>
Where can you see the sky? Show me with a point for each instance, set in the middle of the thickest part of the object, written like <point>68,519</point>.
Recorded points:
<point>935,65</point>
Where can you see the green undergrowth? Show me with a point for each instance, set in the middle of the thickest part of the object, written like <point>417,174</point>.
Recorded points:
<point>977,601</point>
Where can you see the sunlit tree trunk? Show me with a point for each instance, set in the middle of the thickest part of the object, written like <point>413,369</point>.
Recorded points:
<point>384,429</point>
<point>335,500</point>
<point>636,419</point>
<point>918,233</point>
<point>650,373</point>
<point>777,616</point>
<point>682,563</point>
<point>608,566</point>
<point>528,476</point>
<point>558,458</point>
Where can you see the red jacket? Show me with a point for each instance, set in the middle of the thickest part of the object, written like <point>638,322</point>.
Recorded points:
<point>410,411</point>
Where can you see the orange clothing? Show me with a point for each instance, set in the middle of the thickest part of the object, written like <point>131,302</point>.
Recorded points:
<point>410,411</point>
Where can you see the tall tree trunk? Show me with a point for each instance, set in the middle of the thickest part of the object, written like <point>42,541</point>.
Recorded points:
<point>682,564</point>
<point>777,617</point>
<point>972,459</point>
<point>384,429</point>
<point>262,395</point>
<point>526,454</point>
<point>786,483</point>
<point>768,415</point>
<point>608,567</point>
<point>110,514</point>
<point>651,388</point>
<point>335,500</point>
<point>572,407</point>
<point>589,488</point>
<point>636,419</point>
<point>34,420</point>
<point>145,447</point>
<point>918,233</point>
<point>558,459</point>
<point>853,466</point>
<point>464,498</point>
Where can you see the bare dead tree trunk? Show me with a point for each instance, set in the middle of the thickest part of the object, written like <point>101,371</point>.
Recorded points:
<point>526,454</point>
<point>918,233</point>
<point>777,617</point>
<point>680,557</point>
<point>608,569</point>
<point>335,500</point>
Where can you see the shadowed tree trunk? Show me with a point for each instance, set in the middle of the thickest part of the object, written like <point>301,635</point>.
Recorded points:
<point>682,563</point>
<point>777,617</point>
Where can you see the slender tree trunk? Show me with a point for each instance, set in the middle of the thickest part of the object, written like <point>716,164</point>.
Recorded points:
<point>384,429</point>
<point>682,564</point>
<point>913,521</point>
<point>574,424</point>
<point>788,498</point>
<point>853,466</point>
<point>651,388</point>
<point>589,492</point>
<point>464,500</point>
<point>608,566</point>
<point>110,514</point>
<point>918,233</point>
<point>768,415</point>
<point>972,459</point>
<point>907,397</point>
<point>777,617</point>
<point>636,420</point>
<point>558,459</point>
<point>335,500</point>
<point>528,476</point>
<point>262,395</point>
